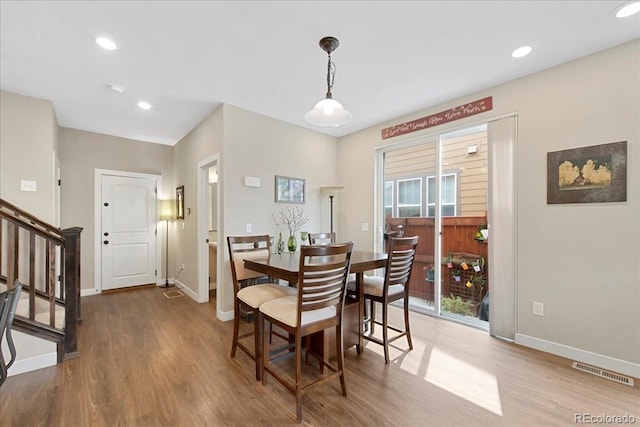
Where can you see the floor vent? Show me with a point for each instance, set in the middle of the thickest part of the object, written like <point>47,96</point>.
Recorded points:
<point>173,294</point>
<point>603,373</point>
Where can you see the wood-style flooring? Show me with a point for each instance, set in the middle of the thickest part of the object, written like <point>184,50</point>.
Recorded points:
<point>147,360</point>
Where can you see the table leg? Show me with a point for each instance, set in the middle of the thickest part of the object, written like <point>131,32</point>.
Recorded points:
<point>360,293</point>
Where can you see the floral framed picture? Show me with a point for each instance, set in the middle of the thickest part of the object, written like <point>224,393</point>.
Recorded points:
<point>289,190</point>
<point>180,202</point>
<point>588,174</point>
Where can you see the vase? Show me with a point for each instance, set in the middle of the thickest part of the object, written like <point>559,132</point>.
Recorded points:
<point>292,243</point>
<point>280,247</point>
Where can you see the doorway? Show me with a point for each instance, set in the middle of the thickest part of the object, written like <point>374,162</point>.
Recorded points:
<point>210,249</point>
<point>126,229</point>
<point>438,187</point>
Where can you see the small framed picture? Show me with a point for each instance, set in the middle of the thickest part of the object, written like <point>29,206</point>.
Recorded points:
<point>289,190</point>
<point>180,202</point>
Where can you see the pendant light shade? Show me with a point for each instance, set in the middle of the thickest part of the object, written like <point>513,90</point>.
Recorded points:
<point>328,111</point>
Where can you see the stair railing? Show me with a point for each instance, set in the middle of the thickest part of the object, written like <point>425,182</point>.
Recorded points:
<point>47,260</point>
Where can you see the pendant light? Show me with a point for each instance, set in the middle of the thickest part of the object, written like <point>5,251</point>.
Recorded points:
<point>328,111</point>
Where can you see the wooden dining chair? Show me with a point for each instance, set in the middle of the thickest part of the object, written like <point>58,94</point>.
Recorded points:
<point>318,306</point>
<point>322,238</point>
<point>248,293</point>
<point>392,287</point>
<point>8,304</point>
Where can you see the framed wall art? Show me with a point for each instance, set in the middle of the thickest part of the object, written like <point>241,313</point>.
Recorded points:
<point>180,202</point>
<point>289,190</point>
<point>588,174</point>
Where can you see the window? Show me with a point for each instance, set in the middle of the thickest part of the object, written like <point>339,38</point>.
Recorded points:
<point>410,197</point>
<point>448,204</point>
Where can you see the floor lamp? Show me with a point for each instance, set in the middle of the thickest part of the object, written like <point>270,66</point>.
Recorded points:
<point>331,190</point>
<point>166,214</point>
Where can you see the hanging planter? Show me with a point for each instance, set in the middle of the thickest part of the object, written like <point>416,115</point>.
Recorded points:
<point>449,260</point>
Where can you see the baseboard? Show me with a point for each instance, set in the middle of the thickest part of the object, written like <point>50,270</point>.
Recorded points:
<point>594,359</point>
<point>33,363</point>
<point>225,316</point>
<point>89,292</point>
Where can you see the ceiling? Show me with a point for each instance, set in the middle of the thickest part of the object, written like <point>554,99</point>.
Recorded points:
<point>187,57</point>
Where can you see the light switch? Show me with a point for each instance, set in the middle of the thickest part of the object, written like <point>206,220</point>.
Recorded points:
<point>365,226</point>
<point>248,227</point>
<point>27,185</point>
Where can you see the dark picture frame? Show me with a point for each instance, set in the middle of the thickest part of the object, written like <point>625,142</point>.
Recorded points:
<point>592,174</point>
<point>289,190</point>
<point>180,202</point>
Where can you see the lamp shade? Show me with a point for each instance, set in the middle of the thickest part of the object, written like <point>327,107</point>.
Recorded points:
<point>166,210</point>
<point>328,112</point>
<point>331,190</point>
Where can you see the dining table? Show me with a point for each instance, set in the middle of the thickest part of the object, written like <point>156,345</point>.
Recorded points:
<point>286,267</point>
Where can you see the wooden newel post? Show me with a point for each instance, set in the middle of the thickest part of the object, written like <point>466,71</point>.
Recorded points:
<point>71,277</point>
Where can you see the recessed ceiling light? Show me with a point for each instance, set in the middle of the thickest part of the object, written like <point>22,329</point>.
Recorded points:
<point>106,43</point>
<point>115,88</point>
<point>144,105</point>
<point>521,51</point>
<point>627,9</point>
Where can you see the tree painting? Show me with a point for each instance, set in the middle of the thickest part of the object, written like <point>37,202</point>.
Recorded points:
<point>591,172</point>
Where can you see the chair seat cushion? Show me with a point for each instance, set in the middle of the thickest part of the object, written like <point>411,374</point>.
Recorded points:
<point>285,310</point>
<point>257,295</point>
<point>375,285</point>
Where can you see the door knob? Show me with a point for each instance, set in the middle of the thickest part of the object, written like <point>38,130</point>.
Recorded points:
<point>106,234</point>
<point>106,242</point>
<point>106,203</point>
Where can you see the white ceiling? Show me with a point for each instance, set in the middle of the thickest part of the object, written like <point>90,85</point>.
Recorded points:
<point>187,57</point>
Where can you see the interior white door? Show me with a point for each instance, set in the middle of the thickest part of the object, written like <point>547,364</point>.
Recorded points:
<point>128,231</point>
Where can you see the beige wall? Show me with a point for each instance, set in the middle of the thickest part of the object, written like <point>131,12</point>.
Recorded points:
<point>249,144</point>
<point>580,260</point>
<point>202,142</point>
<point>81,153</point>
<point>28,138</point>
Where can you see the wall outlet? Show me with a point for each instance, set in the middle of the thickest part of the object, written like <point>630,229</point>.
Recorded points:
<point>538,308</point>
<point>248,227</point>
<point>364,226</point>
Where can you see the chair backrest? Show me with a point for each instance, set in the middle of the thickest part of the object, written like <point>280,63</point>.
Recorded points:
<point>246,247</point>
<point>402,253</point>
<point>8,304</point>
<point>323,278</point>
<point>322,238</point>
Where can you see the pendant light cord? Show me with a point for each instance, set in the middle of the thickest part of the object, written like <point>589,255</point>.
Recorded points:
<point>331,75</point>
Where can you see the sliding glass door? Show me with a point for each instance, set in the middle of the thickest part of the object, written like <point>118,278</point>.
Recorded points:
<point>436,188</point>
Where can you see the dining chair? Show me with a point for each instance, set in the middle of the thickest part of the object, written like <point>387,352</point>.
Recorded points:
<point>248,294</point>
<point>8,304</point>
<point>318,306</point>
<point>392,287</point>
<point>322,238</point>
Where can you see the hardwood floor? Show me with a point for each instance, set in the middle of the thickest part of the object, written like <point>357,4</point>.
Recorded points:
<point>147,360</point>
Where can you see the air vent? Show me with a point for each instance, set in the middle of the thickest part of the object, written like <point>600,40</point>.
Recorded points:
<point>603,373</point>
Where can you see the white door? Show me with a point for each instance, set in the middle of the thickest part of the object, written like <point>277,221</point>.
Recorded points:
<point>128,231</point>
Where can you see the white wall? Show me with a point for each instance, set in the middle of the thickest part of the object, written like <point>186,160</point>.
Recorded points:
<point>580,260</point>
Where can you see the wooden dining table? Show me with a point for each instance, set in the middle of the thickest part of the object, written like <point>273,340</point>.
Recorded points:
<point>286,267</point>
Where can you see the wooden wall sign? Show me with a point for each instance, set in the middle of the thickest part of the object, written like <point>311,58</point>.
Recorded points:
<point>455,113</point>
